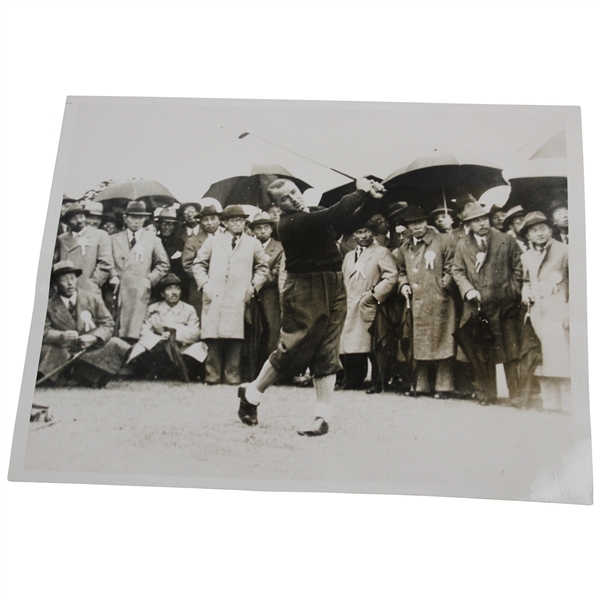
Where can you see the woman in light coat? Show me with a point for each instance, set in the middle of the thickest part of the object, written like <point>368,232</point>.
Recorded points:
<point>546,290</point>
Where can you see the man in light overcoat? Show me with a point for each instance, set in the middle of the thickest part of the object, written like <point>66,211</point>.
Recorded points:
<point>88,248</point>
<point>229,269</point>
<point>140,263</point>
<point>370,274</point>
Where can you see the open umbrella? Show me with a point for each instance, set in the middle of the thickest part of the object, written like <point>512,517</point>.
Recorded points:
<point>541,179</point>
<point>431,181</point>
<point>251,189</point>
<point>117,195</point>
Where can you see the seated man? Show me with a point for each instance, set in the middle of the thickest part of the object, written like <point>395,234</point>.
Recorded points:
<point>169,342</point>
<point>78,321</point>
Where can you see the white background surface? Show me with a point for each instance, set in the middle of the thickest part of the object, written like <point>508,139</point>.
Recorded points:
<point>74,541</point>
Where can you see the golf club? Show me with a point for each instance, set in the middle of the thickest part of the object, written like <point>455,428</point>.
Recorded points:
<point>247,133</point>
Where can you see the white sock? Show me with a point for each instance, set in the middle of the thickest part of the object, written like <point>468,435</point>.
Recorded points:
<point>253,395</point>
<point>323,410</point>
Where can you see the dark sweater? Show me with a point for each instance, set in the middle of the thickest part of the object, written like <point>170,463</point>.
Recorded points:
<point>309,238</point>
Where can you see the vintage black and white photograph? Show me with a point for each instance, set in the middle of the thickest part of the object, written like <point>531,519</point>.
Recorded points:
<point>319,296</point>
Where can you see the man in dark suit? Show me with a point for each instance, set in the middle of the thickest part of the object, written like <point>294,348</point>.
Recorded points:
<point>78,320</point>
<point>488,271</point>
<point>262,227</point>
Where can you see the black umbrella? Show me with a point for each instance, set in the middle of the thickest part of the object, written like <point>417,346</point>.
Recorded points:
<point>331,197</point>
<point>116,195</point>
<point>431,181</point>
<point>252,189</point>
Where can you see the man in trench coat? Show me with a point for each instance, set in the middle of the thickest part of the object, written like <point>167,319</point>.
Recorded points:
<point>370,274</point>
<point>88,248</point>
<point>229,269</point>
<point>140,263</point>
<point>425,281</point>
<point>488,271</point>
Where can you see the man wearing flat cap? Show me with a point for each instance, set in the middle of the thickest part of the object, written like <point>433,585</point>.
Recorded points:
<point>229,269</point>
<point>488,271</point>
<point>425,280</point>
<point>441,219</point>
<point>169,318</point>
<point>88,248</point>
<point>78,320</point>
<point>370,274</point>
<point>140,263</point>
<point>262,227</point>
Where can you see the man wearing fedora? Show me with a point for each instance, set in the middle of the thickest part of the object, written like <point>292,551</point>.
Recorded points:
<point>262,227</point>
<point>169,233</point>
<point>370,274</point>
<point>140,262</point>
<point>459,207</point>
<point>229,269</point>
<point>425,281</point>
<point>313,300</point>
<point>512,224</point>
<point>488,271</point>
<point>165,319</point>
<point>88,248</point>
<point>208,226</point>
<point>546,292</point>
<point>78,320</point>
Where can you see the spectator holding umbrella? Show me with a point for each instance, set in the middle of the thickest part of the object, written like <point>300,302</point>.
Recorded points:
<point>546,291</point>
<point>497,216</point>
<point>488,271</point>
<point>441,219</point>
<point>425,281</point>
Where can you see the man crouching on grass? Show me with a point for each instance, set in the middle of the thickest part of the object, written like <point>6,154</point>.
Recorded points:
<point>313,302</point>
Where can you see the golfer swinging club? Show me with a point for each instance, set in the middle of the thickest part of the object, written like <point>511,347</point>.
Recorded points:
<point>313,302</point>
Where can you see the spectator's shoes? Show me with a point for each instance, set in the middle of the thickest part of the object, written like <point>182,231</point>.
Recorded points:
<point>317,427</point>
<point>247,411</point>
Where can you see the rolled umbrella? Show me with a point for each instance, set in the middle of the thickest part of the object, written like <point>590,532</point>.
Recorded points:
<point>431,181</point>
<point>252,189</point>
<point>117,195</point>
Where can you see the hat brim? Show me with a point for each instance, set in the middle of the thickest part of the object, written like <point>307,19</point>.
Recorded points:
<point>262,222</point>
<point>137,214</point>
<point>66,271</point>
<point>68,215</point>
<point>224,217</point>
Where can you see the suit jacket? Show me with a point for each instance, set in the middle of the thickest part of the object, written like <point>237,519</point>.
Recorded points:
<point>182,317</point>
<point>228,279</point>
<point>498,280</point>
<point>91,317</point>
<point>91,252</point>
<point>375,270</point>
<point>139,269</point>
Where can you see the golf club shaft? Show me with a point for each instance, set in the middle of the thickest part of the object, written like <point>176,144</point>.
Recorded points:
<point>243,135</point>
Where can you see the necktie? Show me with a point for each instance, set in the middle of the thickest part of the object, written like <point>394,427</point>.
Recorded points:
<point>72,308</point>
<point>132,241</point>
<point>482,245</point>
<point>359,251</point>
<point>234,241</point>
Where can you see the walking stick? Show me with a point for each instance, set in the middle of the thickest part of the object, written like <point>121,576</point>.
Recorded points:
<point>61,367</point>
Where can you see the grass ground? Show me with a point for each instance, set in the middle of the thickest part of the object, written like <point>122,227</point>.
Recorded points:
<point>422,445</point>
